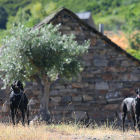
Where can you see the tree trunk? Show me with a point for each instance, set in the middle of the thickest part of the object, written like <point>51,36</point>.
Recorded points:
<point>43,114</point>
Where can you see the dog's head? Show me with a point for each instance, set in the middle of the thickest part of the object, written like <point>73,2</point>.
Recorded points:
<point>17,86</point>
<point>138,92</point>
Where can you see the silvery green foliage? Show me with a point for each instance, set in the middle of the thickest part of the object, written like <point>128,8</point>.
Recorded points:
<point>29,51</point>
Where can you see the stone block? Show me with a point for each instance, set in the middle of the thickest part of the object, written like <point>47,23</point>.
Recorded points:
<point>65,108</point>
<point>113,94</point>
<point>107,77</point>
<point>91,86</point>
<point>79,115</point>
<point>129,77</point>
<point>110,69</point>
<point>129,85</point>
<point>128,93</point>
<point>93,41</point>
<point>87,98</point>
<point>115,86</point>
<point>87,63</point>
<point>101,86</point>
<point>54,93</point>
<point>76,98</point>
<point>112,107</point>
<point>100,62</point>
<point>101,101</point>
<point>37,92</point>
<point>114,100</point>
<point>65,98</point>
<point>88,56</point>
<point>67,90</point>
<point>68,87</point>
<point>125,63</point>
<point>79,85</point>
<point>55,99</point>
<point>59,87</point>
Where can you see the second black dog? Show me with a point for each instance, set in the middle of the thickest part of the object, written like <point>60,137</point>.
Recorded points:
<point>132,106</point>
<point>18,100</point>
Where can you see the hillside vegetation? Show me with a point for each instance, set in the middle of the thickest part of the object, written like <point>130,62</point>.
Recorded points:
<point>109,12</point>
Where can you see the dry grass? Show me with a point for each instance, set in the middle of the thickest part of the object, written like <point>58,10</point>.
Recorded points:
<point>63,132</point>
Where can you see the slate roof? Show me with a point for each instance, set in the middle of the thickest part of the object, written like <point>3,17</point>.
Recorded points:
<point>52,16</point>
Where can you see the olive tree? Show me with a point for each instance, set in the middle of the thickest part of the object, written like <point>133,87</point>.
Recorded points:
<point>42,55</point>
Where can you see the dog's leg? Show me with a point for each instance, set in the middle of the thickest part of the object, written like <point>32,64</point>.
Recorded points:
<point>124,111</point>
<point>134,122</point>
<point>16,113</point>
<point>27,111</point>
<point>123,119</point>
<point>13,114</point>
<point>23,116</point>
<point>137,121</point>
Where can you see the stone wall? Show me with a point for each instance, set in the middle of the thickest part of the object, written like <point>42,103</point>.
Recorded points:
<point>109,76</point>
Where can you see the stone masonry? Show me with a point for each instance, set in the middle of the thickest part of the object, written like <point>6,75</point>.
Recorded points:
<point>109,76</point>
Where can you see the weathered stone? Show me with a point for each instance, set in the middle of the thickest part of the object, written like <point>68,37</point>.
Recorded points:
<point>56,99</point>
<point>112,107</point>
<point>101,86</point>
<point>100,62</point>
<point>54,93</point>
<point>79,85</point>
<point>66,108</point>
<point>66,98</point>
<point>91,86</point>
<point>38,92</point>
<point>88,56</point>
<point>129,77</point>
<point>120,69</point>
<point>68,87</point>
<point>107,77</point>
<point>67,90</point>
<point>114,86</point>
<point>87,98</point>
<point>87,63</point>
<point>112,100</point>
<point>101,101</point>
<point>79,115</point>
<point>128,93</point>
<point>125,63</point>
<point>93,41</point>
<point>112,94</point>
<point>129,85</point>
<point>59,87</point>
<point>110,69</point>
<point>77,98</point>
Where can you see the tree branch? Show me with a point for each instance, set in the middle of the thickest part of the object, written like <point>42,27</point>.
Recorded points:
<point>55,82</point>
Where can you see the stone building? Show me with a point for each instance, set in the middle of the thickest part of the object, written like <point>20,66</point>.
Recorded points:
<point>109,76</point>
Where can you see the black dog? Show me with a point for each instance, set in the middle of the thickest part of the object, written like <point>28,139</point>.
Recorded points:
<point>132,106</point>
<point>18,100</point>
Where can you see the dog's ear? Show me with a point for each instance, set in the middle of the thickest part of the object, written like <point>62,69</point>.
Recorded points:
<point>137,91</point>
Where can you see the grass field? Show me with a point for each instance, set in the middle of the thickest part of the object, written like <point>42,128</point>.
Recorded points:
<point>65,132</point>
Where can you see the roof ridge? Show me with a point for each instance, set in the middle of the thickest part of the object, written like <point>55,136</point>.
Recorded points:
<point>49,18</point>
